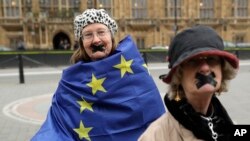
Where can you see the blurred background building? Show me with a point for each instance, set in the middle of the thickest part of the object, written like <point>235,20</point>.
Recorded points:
<point>43,24</point>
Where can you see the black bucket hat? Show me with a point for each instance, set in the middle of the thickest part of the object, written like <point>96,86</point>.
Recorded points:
<point>195,41</point>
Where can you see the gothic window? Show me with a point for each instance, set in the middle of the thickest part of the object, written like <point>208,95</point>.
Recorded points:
<point>28,5</point>
<point>12,8</point>
<point>238,38</point>
<point>173,8</point>
<point>105,4</point>
<point>52,7</point>
<point>206,9</point>
<point>74,8</point>
<point>140,41</point>
<point>101,4</point>
<point>59,8</point>
<point>90,4</point>
<point>240,8</point>
<point>139,9</point>
<point>44,7</point>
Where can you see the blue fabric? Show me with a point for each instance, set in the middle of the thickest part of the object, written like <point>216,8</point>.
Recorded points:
<point>120,107</point>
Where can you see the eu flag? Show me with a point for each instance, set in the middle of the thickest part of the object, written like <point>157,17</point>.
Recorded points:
<point>113,99</point>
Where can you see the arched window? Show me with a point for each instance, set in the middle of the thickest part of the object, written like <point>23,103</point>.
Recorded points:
<point>101,4</point>
<point>139,9</point>
<point>12,8</point>
<point>206,9</point>
<point>173,8</point>
<point>107,5</point>
<point>239,8</point>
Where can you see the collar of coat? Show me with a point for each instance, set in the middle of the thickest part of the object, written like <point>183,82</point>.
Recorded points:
<point>185,114</point>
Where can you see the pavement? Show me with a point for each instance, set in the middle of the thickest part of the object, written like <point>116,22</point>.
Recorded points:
<point>24,105</point>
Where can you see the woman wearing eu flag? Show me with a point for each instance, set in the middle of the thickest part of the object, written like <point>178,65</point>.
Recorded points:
<point>107,94</point>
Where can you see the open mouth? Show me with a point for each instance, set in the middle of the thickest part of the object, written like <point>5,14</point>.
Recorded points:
<point>96,48</point>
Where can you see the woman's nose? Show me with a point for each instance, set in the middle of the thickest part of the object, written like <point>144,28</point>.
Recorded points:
<point>96,38</point>
<point>204,67</point>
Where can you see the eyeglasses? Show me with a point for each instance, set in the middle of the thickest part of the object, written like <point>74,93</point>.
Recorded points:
<point>210,60</point>
<point>88,36</point>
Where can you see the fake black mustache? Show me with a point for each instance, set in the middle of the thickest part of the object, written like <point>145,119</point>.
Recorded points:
<point>97,48</point>
<point>205,79</point>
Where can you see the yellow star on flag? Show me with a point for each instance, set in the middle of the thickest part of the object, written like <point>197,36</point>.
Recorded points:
<point>124,66</point>
<point>83,132</point>
<point>96,84</point>
<point>85,105</point>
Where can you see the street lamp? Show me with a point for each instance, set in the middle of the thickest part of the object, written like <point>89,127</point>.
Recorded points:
<point>201,4</point>
<point>13,3</point>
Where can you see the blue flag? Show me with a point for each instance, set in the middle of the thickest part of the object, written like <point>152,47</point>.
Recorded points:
<point>113,99</point>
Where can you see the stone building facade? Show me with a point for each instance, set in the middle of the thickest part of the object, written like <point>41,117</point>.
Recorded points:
<point>43,24</point>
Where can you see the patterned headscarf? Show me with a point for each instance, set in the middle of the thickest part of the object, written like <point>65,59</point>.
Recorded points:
<point>91,16</point>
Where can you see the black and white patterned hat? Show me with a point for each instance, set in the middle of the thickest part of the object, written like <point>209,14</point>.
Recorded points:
<point>91,16</point>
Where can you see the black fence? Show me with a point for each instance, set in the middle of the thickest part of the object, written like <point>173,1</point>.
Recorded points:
<point>62,58</point>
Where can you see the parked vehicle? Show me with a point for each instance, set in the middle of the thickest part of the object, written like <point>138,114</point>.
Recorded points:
<point>229,44</point>
<point>4,48</point>
<point>160,47</point>
<point>243,45</point>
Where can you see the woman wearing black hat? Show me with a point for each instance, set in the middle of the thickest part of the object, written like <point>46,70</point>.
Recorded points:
<point>199,71</point>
